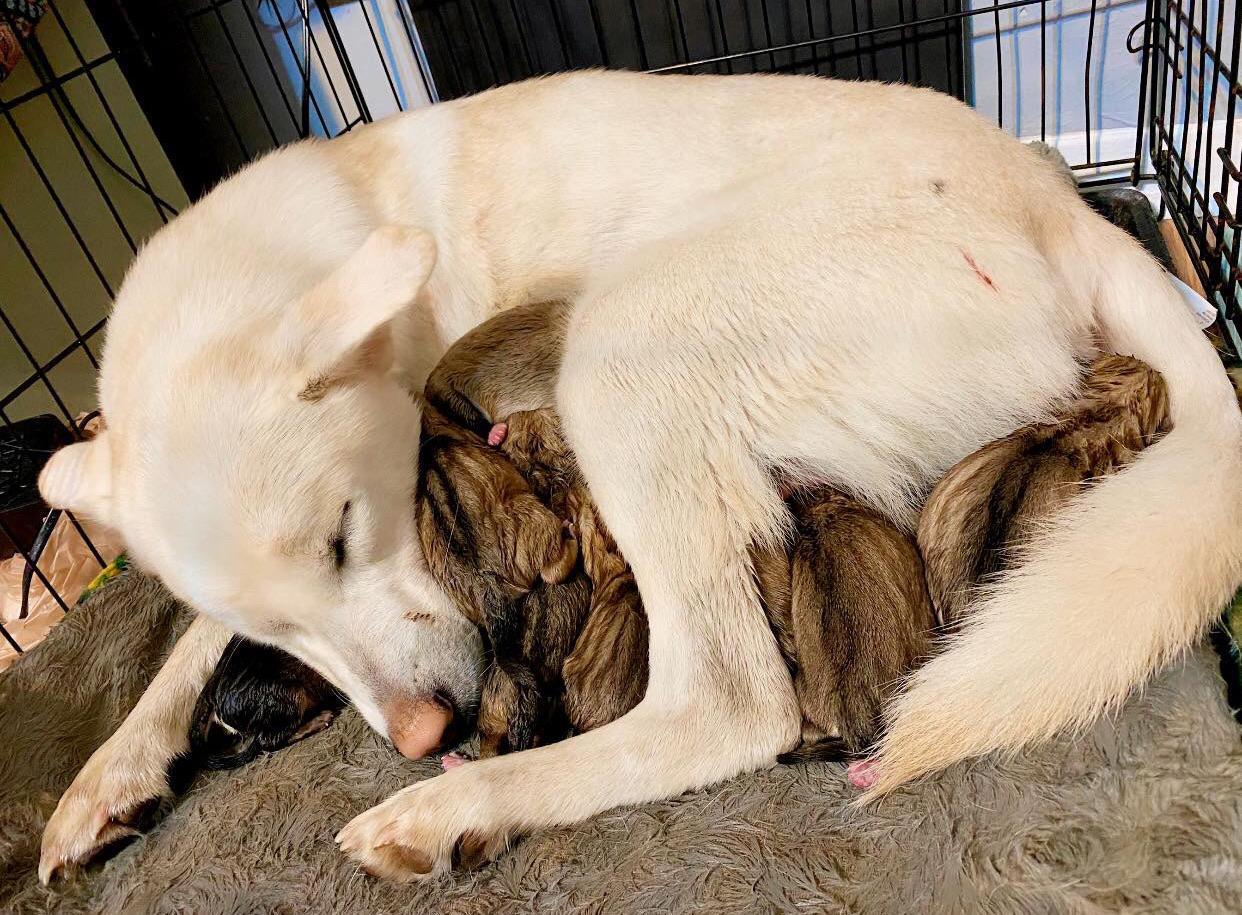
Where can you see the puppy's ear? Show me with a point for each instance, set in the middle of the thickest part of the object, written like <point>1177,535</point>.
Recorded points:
<point>79,478</point>
<point>344,323</point>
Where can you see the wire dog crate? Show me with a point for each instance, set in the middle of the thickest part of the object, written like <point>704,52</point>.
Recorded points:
<point>117,114</point>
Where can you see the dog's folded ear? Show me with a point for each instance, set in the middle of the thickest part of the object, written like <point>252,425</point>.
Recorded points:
<point>78,478</point>
<point>342,327</point>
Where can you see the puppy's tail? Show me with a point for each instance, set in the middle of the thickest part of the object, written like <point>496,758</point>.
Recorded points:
<point>828,749</point>
<point>1123,580</point>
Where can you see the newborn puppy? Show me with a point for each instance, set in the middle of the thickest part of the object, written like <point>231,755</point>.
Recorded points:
<point>503,366</point>
<point>606,673</point>
<point>993,500</point>
<point>498,382</point>
<point>484,532</point>
<point>509,563</point>
<point>851,611</point>
<point>521,704</point>
<point>259,699</point>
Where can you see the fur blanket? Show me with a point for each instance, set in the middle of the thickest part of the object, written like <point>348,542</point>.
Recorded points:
<point>1144,814</point>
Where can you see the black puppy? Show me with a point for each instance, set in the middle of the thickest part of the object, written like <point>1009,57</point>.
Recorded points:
<point>259,699</point>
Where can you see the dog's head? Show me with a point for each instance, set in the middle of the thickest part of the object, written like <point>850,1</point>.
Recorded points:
<point>261,459</point>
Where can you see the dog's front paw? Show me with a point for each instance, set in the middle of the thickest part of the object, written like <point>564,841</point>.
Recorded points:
<point>427,829</point>
<point>103,804</point>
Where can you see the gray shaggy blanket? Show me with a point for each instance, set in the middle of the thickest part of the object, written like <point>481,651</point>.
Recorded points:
<point>1144,814</point>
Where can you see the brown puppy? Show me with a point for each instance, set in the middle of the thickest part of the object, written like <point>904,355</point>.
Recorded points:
<point>606,674</point>
<point>858,615</point>
<point>848,603</point>
<point>990,502</point>
<point>509,563</point>
<point>503,366</point>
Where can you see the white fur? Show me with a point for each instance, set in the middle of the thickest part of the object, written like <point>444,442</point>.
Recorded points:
<point>857,283</point>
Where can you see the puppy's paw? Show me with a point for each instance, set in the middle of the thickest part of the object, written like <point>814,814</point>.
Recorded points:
<point>862,773</point>
<point>496,436</point>
<point>426,829</point>
<point>560,564</point>
<point>102,805</point>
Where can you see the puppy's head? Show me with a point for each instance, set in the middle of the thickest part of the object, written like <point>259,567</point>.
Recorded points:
<point>259,699</point>
<point>261,459</point>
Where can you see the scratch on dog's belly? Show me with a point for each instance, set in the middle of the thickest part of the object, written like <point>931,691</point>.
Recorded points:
<point>986,280</point>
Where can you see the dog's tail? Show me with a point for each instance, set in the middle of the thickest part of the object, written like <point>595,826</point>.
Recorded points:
<point>1124,579</point>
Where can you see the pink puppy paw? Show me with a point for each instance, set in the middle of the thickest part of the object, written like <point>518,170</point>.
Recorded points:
<point>497,435</point>
<point>452,761</point>
<point>862,774</point>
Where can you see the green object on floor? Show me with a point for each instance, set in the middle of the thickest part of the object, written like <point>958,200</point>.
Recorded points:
<point>106,574</point>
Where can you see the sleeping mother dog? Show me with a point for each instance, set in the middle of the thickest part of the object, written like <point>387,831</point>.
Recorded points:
<point>855,284</point>
<point>511,533</point>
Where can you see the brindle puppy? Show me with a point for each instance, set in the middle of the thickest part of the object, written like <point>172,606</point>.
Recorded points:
<point>850,607</point>
<point>991,502</point>
<point>606,673</point>
<point>497,383</point>
<point>509,562</point>
<point>506,365</point>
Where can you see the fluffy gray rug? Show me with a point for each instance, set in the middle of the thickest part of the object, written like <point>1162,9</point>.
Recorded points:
<point>1144,814</point>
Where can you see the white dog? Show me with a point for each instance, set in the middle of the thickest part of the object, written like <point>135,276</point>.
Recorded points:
<point>851,283</point>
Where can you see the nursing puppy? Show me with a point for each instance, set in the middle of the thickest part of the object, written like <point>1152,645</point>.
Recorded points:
<point>605,674</point>
<point>499,381</point>
<point>718,235</point>
<point>582,638</point>
<point>508,562</point>
<point>850,605</point>
<point>978,517</point>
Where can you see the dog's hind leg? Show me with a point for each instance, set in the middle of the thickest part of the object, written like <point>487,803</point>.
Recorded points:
<point>130,769</point>
<point>684,498</point>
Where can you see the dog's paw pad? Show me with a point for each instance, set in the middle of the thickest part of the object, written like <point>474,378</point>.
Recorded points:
<point>453,761</point>
<point>496,436</point>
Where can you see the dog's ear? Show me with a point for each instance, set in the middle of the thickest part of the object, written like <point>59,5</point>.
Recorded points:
<point>79,478</point>
<point>344,323</point>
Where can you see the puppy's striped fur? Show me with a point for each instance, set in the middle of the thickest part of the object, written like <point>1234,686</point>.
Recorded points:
<point>994,500</point>
<point>509,564</point>
<point>606,673</point>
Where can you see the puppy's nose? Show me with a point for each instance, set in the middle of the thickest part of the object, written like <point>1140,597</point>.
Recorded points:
<point>417,726</point>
